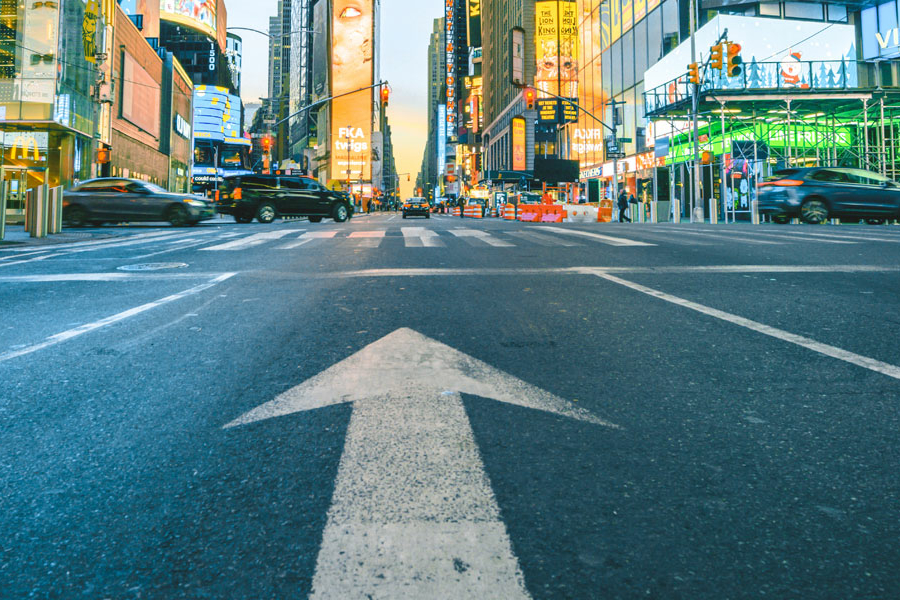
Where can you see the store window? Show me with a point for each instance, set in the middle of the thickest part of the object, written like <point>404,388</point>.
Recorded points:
<point>770,9</point>
<point>837,13</point>
<point>670,38</point>
<point>803,10</point>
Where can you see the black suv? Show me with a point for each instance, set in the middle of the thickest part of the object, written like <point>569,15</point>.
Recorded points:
<point>266,197</point>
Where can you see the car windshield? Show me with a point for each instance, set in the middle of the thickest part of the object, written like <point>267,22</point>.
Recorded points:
<point>152,187</point>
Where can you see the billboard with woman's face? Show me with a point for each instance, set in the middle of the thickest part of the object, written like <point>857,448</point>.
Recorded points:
<point>352,68</point>
<point>197,14</point>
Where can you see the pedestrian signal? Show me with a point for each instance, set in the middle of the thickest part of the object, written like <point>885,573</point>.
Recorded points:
<point>694,73</point>
<point>715,57</point>
<point>734,60</point>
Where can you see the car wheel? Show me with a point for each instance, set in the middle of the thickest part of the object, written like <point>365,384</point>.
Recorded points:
<point>875,221</point>
<point>265,213</point>
<point>341,213</point>
<point>243,219</point>
<point>315,219</point>
<point>781,219</point>
<point>76,216</point>
<point>814,211</point>
<point>177,216</point>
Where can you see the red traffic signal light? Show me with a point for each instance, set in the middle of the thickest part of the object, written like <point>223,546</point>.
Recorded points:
<point>385,94</point>
<point>733,67</point>
<point>267,143</point>
<point>530,96</point>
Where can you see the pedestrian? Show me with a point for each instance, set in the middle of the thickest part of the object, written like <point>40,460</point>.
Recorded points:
<point>462,207</point>
<point>622,203</point>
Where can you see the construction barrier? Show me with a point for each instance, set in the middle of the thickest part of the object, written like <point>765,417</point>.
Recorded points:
<point>541,213</point>
<point>604,213</point>
<point>580,213</point>
<point>509,213</point>
<point>473,211</point>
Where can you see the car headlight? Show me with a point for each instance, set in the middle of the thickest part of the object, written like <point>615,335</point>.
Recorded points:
<point>197,203</point>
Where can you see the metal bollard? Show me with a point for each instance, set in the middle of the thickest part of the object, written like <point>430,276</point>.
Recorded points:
<point>54,212</point>
<point>713,211</point>
<point>754,211</point>
<point>4,196</point>
<point>38,211</point>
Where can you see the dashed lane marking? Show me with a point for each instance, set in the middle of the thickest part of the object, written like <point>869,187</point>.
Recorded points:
<point>307,238</point>
<point>250,241</point>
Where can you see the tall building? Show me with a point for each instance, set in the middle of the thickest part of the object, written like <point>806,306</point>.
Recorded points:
<point>234,52</point>
<point>277,102</point>
<point>197,38</point>
<point>303,126</point>
<point>431,170</point>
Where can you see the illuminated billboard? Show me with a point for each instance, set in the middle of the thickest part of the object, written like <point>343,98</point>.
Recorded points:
<point>519,160</point>
<point>474,23</point>
<point>210,105</point>
<point>352,68</point>
<point>197,14</point>
<point>556,47</point>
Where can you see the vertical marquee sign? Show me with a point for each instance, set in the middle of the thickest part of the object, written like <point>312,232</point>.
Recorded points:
<point>451,66</point>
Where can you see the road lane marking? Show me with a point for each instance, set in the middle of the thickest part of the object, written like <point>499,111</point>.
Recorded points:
<point>118,276</point>
<point>586,270</point>
<point>606,239</point>
<point>482,236</point>
<point>420,237</point>
<point>542,240</point>
<point>412,501</point>
<point>367,234</point>
<point>307,238</point>
<point>832,351</point>
<point>250,241</point>
<point>81,330</point>
<point>724,236</point>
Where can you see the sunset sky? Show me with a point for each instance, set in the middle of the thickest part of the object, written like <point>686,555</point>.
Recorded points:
<point>405,29</point>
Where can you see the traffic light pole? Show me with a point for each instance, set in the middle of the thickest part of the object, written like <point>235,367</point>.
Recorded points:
<point>696,207</point>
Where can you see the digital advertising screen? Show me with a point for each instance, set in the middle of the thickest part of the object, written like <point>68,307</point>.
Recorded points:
<point>519,159</point>
<point>352,69</point>
<point>197,14</point>
<point>556,47</point>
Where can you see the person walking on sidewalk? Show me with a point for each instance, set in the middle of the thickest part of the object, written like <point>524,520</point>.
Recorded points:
<point>622,203</point>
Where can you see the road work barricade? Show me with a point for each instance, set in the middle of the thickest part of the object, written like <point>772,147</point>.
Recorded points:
<point>541,213</point>
<point>473,211</point>
<point>509,212</point>
<point>580,213</point>
<point>604,213</point>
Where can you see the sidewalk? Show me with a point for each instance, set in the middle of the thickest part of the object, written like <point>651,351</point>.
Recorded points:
<point>17,237</point>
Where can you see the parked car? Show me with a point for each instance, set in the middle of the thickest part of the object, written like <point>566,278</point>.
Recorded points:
<point>116,199</point>
<point>265,197</point>
<point>417,206</point>
<point>821,193</point>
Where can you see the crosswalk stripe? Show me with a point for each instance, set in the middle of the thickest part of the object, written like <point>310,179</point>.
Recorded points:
<point>726,237</point>
<point>419,237</point>
<point>542,240</point>
<point>251,240</point>
<point>482,236</point>
<point>307,238</point>
<point>606,239</point>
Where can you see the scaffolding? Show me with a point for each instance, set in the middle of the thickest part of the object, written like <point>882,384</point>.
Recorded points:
<point>753,127</point>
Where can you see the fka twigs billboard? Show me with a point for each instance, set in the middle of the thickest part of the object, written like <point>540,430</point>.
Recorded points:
<point>352,68</point>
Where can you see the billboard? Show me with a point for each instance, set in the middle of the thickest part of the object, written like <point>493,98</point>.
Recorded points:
<point>441,139</point>
<point>140,96</point>
<point>352,68</point>
<point>450,33</point>
<point>556,47</point>
<point>210,105</point>
<point>474,23</point>
<point>196,14</point>
<point>517,146</point>
<point>320,52</point>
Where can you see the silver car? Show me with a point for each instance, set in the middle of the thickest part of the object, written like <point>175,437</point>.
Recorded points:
<point>116,199</point>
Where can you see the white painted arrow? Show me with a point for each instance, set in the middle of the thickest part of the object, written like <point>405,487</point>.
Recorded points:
<point>413,514</point>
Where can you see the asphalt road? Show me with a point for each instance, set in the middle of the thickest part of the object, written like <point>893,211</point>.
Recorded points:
<point>647,411</point>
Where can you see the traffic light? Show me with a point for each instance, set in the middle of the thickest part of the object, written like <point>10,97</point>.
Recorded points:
<point>266,144</point>
<point>385,95</point>
<point>715,57</point>
<point>530,98</point>
<point>694,73</point>
<point>734,60</point>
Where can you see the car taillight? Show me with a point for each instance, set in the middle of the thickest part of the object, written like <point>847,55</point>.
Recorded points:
<point>787,182</point>
<point>237,194</point>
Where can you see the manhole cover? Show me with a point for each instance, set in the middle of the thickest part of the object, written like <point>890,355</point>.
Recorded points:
<point>153,266</point>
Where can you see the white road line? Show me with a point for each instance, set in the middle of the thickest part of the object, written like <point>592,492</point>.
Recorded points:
<point>842,236</point>
<point>805,342</point>
<point>542,240</point>
<point>307,238</point>
<point>482,236</point>
<point>606,239</point>
<point>28,260</point>
<point>419,237</point>
<point>797,238</point>
<point>367,234</point>
<point>24,254</point>
<point>78,331</point>
<point>250,241</point>
<point>117,276</point>
<point>724,236</point>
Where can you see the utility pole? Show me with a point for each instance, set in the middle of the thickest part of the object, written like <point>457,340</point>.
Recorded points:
<point>696,204</point>
<point>613,148</point>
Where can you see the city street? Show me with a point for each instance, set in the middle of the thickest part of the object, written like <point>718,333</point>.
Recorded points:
<point>451,408</point>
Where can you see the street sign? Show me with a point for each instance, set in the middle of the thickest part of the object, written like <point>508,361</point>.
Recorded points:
<point>615,155</point>
<point>547,109</point>
<point>411,483</point>
<point>569,109</point>
<point>625,140</point>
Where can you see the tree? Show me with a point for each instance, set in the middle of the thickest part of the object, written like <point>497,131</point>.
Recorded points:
<point>754,80</point>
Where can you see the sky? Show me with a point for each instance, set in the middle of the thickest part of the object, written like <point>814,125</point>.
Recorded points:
<point>405,28</point>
